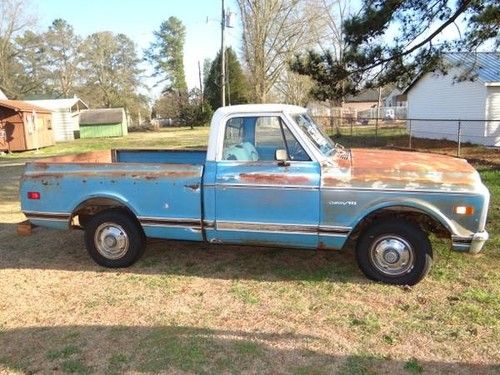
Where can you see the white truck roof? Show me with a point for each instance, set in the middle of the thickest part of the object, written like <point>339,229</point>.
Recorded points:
<point>252,108</point>
<point>217,129</point>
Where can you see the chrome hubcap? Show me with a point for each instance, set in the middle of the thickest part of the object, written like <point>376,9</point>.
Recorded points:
<point>111,240</point>
<point>392,255</point>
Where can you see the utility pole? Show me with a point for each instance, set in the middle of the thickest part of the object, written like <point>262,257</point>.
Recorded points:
<point>223,57</point>
<point>201,86</point>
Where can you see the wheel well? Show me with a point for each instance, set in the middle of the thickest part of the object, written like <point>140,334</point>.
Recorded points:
<point>85,210</point>
<point>418,217</point>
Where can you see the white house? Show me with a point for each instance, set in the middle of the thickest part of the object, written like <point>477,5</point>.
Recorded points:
<point>2,96</point>
<point>65,116</point>
<point>467,97</point>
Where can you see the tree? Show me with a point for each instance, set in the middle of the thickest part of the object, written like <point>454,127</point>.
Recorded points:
<point>168,106</point>
<point>110,70</point>
<point>237,90</point>
<point>331,49</point>
<point>64,56</point>
<point>193,111</point>
<point>15,17</point>
<point>273,30</point>
<point>371,61</point>
<point>293,88</point>
<point>166,54</point>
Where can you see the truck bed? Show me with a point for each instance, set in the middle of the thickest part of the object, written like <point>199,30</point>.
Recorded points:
<point>161,187</point>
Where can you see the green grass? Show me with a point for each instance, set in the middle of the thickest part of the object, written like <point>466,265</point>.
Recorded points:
<point>243,293</point>
<point>194,308</point>
<point>165,138</point>
<point>413,366</point>
<point>65,352</point>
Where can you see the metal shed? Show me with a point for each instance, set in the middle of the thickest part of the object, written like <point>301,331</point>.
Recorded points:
<point>24,126</point>
<point>65,116</point>
<point>104,122</point>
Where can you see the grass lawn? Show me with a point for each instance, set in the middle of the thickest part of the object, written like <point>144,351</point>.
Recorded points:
<point>197,308</point>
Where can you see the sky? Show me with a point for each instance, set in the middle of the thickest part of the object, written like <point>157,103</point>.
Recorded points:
<point>138,20</point>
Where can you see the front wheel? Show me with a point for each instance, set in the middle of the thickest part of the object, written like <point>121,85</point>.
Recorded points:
<point>113,239</point>
<point>394,252</point>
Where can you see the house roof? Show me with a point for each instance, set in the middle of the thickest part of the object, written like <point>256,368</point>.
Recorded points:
<point>20,106</point>
<point>102,116</point>
<point>56,104</point>
<point>483,66</point>
<point>368,95</point>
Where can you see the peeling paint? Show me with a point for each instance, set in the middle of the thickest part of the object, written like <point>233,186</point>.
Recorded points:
<point>382,169</point>
<point>274,178</point>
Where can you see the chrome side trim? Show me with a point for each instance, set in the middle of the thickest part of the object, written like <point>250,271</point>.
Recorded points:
<point>49,216</point>
<point>180,220</point>
<point>394,190</point>
<point>334,229</point>
<point>282,228</point>
<point>262,186</point>
<point>327,188</point>
<point>170,222</point>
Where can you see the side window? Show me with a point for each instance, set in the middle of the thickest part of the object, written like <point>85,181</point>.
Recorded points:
<point>234,132</point>
<point>268,137</point>
<point>258,138</point>
<point>239,140</point>
<point>295,150</point>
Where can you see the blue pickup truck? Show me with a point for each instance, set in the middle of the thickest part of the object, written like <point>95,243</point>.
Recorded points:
<point>270,177</point>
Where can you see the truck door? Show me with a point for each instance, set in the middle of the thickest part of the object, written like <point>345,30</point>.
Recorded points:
<point>258,199</point>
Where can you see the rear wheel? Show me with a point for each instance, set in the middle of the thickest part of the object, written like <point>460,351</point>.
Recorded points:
<point>394,252</point>
<point>113,239</point>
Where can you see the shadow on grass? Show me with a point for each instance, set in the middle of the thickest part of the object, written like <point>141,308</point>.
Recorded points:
<point>64,250</point>
<point>174,349</point>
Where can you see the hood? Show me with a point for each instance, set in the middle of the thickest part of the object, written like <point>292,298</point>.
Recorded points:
<point>381,169</point>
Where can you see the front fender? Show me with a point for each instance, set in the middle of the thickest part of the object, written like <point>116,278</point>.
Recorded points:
<point>413,205</point>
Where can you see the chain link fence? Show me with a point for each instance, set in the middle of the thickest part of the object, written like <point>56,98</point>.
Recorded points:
<point>406,133</point>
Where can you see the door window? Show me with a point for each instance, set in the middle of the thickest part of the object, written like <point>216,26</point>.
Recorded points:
<point>258,138</point>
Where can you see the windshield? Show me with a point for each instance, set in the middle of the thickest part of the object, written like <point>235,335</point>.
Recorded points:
<point>315,134</point>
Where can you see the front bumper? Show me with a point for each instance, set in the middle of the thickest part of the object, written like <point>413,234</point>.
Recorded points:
<point>472,244</point>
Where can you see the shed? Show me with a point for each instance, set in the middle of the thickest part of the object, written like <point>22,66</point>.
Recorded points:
<point>65,116</point>
<point>24,126</point>
<point>466,98</point>
<point>103,122</point>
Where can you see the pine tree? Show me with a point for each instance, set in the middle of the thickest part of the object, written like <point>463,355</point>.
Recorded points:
<point>237,90</point>
<point>376,56</point>
<point>166,54</point>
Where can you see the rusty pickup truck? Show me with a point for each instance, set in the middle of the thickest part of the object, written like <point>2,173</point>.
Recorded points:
<point>270,177</point>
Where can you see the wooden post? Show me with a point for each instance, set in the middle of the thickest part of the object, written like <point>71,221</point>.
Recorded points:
<point>409,141</point>
<point>378,110</point>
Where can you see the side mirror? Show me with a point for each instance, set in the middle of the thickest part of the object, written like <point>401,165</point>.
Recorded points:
<point>282,158</point>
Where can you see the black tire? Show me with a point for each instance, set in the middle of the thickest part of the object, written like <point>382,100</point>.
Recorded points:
<point>114,225</point>
<point>394,251</point>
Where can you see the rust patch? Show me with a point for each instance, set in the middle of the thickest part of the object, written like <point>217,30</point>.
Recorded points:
<point>87,157</point>
<point>382,168</point>
<point>274,178</point>
<point>193,187</point>
<point>148,175</point>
